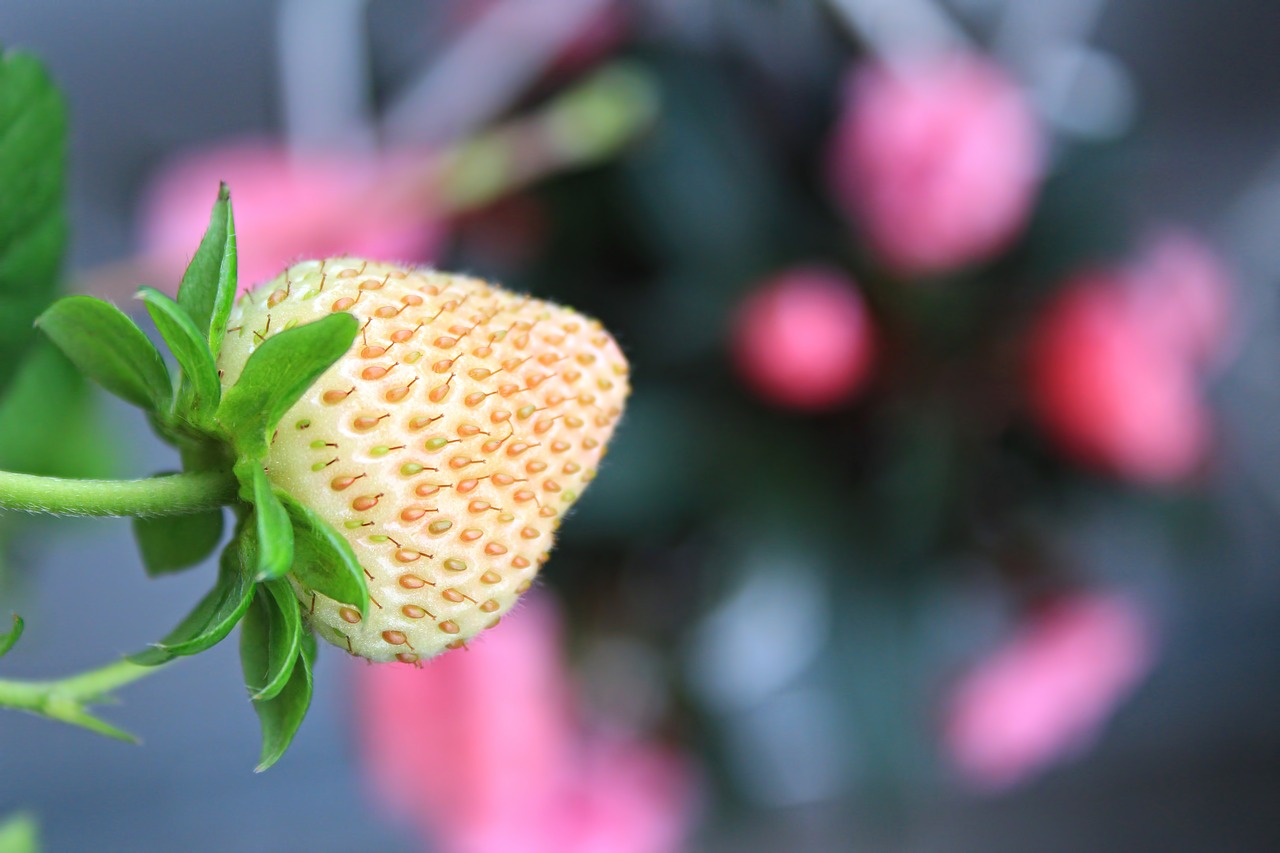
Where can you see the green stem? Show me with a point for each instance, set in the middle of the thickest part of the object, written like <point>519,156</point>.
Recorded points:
<point>585,124</point>
<point>174,494</point>
<point>65,698</point>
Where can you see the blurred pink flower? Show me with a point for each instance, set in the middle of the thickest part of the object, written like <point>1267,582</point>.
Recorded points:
<point>1185,290</point>
<point>482,751</point>
<point>804,339</point>
<point>1114,379</point>
<point>939,162</point>
<point>1047,692</point>
<point>287,206</point>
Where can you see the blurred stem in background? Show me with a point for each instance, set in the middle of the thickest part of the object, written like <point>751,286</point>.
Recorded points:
<point>586,124</point>
<point>480,73</point>
<point>19,834</point>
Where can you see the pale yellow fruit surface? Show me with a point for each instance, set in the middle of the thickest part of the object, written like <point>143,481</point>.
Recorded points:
<point>446,446</point>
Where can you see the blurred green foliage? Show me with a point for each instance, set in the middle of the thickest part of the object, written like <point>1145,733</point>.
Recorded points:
<point>47,414</point>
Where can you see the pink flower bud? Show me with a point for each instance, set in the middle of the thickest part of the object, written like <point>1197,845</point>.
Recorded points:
<point>804,340</point>
<point>939,162</point>
<point>1048,690</point>
<point>286,207</point>
<point>1109,387</point>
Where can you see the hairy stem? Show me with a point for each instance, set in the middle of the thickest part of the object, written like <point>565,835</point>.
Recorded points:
<point>65,699</point>
<point>174,494</point>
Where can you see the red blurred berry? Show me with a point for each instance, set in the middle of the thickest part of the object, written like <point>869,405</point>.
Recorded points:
<point>1111,389</point>
<point>804,339</point>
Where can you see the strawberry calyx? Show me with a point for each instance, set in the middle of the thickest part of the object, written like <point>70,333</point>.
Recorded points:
<point>222,436</point>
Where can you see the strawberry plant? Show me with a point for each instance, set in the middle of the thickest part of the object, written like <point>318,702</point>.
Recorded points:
<point>396,447</point>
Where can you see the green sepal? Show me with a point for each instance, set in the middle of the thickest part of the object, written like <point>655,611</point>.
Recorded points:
<point>276,375</point>
<point>323,560</point>
<point>281,715</point>
<point>172,543</point>
<point>77,716</point>
<point>208,288</point>
<point>110,349</point>
<point>199,390</point>
<point>19,833</point>
<point>270,638</point>
<point>8,638</point>
<point>33,227</point>
<point>216,614</point>
<point>272,526</point>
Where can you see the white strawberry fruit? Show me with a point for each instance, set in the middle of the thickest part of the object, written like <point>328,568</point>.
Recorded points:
<point>445,446</point>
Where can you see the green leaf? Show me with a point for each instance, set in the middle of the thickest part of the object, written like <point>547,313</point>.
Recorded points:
<point>110,349</point>
<point>19,834</point>
<point>208,288</point>
<point>277,374</point>
<point>323,560</point>
<point>173,543</point>
<point>12,636</point>
<point>33,228</point>
<point>270,638</point>
<point>255,641</point>
<point>275,531</point>
<point>200,390</point>
<point>216,614</point>
<point>281,715</point>
<point>48,420</point>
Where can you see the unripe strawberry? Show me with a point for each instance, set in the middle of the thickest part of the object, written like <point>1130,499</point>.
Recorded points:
<point>445,446</point>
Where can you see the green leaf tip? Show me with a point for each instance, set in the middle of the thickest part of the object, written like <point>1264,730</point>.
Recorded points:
<point>208,286</point>
<point>10,637</point>
<point>80,717</point>
<point>270,639</point>
<point>281,715</point>
<point>213,617</point>
<point>108,347</point>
